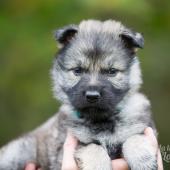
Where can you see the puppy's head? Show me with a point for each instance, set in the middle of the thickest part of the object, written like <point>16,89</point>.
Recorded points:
<point>96,66</point>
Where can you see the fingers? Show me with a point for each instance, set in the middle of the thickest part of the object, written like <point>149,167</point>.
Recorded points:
<point>68,153</point>
<point>119,164</point>
<point>150,135</point>
<point>160,163</point>
<point>152,138</point>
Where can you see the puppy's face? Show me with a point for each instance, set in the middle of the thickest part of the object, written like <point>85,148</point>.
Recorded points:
<point>96,66</point>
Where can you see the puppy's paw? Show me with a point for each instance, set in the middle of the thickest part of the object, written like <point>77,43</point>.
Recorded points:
<point>139,153</point>
<point>93,157</point>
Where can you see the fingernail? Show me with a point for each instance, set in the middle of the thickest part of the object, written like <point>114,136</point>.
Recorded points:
<point>70,141</point>
<point>148,131</point>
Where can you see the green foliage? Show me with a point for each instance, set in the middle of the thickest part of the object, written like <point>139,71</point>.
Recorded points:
<point>27,48</point>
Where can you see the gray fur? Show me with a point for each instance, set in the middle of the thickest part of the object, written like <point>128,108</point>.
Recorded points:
<point>93,56</point>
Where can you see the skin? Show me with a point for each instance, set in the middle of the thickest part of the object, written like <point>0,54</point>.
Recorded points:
<point>117,164</point>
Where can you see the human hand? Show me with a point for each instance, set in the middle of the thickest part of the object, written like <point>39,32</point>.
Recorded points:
<point>70,144</point>
<point>121,164</point>
<point>117,164</point>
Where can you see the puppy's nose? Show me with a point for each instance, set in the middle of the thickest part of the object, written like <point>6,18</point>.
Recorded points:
<point>92,96</point>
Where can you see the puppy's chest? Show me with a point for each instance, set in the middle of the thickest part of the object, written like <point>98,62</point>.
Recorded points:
<point>111,135</point>
<point>114,149</point>
<point>108,138</point>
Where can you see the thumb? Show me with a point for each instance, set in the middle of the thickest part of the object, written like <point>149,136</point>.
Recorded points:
<point>69,147</point>
<point>150,135</point>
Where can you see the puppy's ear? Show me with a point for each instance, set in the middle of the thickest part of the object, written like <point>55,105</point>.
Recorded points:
<point>65,34</point>
<point>132,40</point>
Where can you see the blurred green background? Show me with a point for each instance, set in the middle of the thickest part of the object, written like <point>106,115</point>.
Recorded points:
<point>27,48</point>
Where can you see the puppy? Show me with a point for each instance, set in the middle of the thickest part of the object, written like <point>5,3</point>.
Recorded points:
<point>97,77</point>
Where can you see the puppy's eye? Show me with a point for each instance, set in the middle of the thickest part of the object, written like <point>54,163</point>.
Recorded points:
<point>110,72</point>
<point>78,71</point>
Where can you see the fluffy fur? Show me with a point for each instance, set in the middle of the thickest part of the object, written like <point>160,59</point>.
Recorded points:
<point>98,58</point>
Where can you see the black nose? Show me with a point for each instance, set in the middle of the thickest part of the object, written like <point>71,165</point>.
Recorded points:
<point>92,96</point>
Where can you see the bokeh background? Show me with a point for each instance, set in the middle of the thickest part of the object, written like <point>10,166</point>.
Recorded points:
<point>27,48</point>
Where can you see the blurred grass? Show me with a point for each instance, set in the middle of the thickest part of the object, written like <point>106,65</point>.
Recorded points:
<point>27,49</point>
